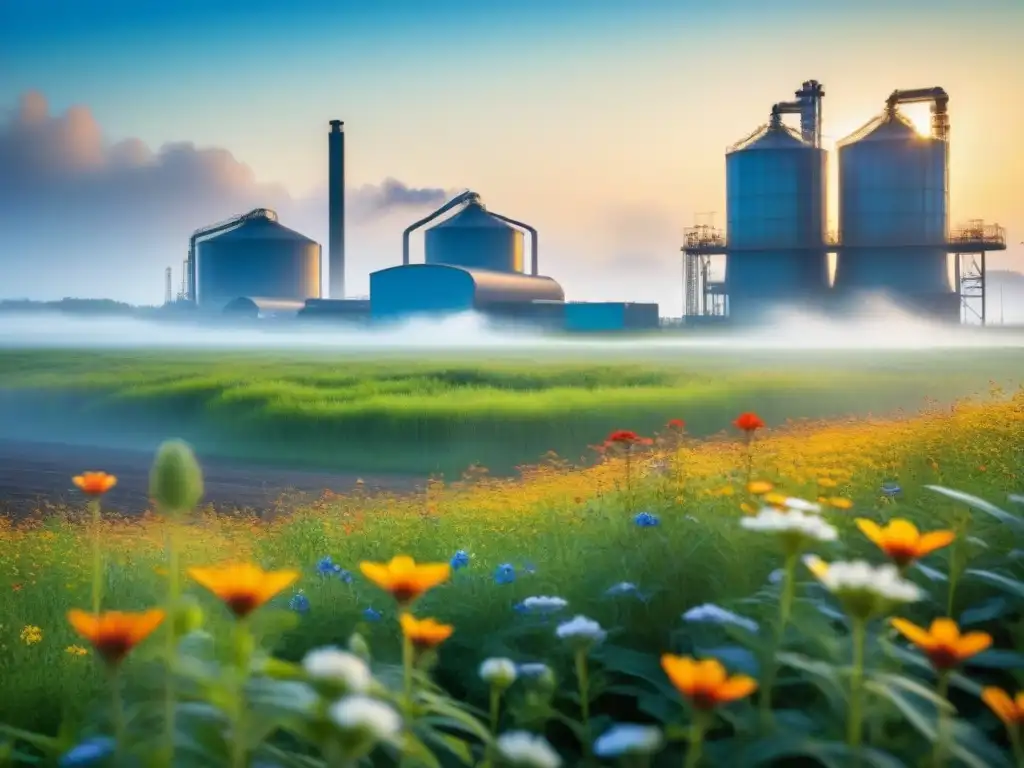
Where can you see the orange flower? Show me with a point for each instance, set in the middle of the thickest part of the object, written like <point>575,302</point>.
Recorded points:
<point>1010,711</point>
<point>113,634</point>
<point>404,579</point>
<point>424,633</point>
<point>943,643</point>
<point>838,502</point>
<point>243,588</point>
<point>776,500</point>
<point>748,422</point>
<point>759,487</point>
<point>94,483</point>
<point>901,540</point>
<point>705,683</point>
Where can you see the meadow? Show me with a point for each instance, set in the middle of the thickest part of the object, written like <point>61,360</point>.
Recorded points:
<point>440,414</point>
<point>653,542</point>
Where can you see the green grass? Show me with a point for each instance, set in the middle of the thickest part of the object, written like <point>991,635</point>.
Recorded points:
<point>440,415</point>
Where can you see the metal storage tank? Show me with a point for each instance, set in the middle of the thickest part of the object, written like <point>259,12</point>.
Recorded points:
<point>445,289</point>
<point>475,239</point>
<point>775,212</point>
<point>893,203</point>
<point>258,258</point>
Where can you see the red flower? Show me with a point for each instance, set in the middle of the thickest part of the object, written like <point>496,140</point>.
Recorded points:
<point>748,422</point>
<point>623,436</point>
<point>676,424</point>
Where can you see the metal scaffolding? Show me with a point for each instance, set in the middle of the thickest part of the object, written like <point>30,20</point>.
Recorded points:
<point>701,295</point>
<point>970,244</point>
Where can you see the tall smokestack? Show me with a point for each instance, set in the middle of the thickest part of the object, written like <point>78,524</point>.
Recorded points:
<point>336,209</point>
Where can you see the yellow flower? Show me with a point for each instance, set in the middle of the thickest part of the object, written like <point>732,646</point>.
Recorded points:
<point>759,487</point>
<point>705,683</point>
<point>838,502</point>
<point>243,588</point>
<point>424,633</point>
<point>31,634</point>
<point>942,643</point>
<point>404,579</point>
<point>827,482</point>
<point>113,634</point>
<point>1009,710</point>
<point>901,540</point>
<point>75,650</point>
<point>777,500</point>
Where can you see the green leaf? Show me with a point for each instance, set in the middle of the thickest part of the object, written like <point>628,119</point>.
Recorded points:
<point>911,711</point>
<point>831,754</point>
<point>458,747</point>
<point>1013,521</point>
<point>1008,585</point>
<point>911,686</point>
<point>973,749</point>
<point>47,744</point>
<point>997,659</point>
<point>734,657</point>
<point>418,753</point>
<point>989,610</point>
<point>441,705</point>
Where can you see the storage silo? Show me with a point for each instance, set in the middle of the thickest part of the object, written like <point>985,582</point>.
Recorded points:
<point>475,239</point>
<point>258,258</point>
<point>893,210</point>
<point>775,212</point>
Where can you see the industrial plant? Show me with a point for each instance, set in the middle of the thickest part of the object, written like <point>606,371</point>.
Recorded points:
<point>894,238</point>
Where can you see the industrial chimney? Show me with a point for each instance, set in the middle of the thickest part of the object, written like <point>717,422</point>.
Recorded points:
<point>336,209</point>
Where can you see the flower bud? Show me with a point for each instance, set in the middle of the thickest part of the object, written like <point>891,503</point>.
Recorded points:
<point>498,673</point>
<point>175,480</point>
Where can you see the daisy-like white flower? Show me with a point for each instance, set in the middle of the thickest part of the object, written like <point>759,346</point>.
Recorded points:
<point>581,632</point>
<point>339,667</point>
<point>525,750</point>
<point>544,604</point>
<point>795,529</point>
<point>865,590</point>
<point>363,722</point>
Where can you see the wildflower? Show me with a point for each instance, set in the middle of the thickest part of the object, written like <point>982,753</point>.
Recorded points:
<point>499,673</point>
<point>838,502</point>
<point>299,603</point>
<point>623,588</point>
<point>544,604</point>
<point>621,740</point>
<point>529,569</point>
<point>646,520</point>
<point>31,634</point>
<point>424,633</point>
<point>794,504</point>
<point>460,560</point>
<point>370,614</point>
<point>891,490</point>
<point>523,749</point>
<point>365,721</point>
<point>581,632</point>
<point>114,634</point>
<point>775,500</point>
<point>175,479</point>
<point>759,487</point>
<point>340,667</point>
<point>243,588</point>
<point>75,650</point>
<point>714,614</point>
<point>404,579</point>
<point>901,540</point>
<point>942,643</point>
<point>827,482</point>
<point>504,574</point>
<point>94,483</point>
<point>864,590</point>
<point>326,566</point>
<point>795,529</point>
<point>705,683</point>
<point>1010,711</point>
<point>677,424</point>
<point>625,438</point>
<point>748,423</point>
<point>90,752</point>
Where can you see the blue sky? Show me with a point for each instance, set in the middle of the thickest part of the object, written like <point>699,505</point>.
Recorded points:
<point>604,123</point>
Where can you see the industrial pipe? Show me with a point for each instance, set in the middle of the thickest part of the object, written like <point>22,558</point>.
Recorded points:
<point>465,197</point>
<point>940,104</point>
<point>212,229</point>
<point>534,258</point>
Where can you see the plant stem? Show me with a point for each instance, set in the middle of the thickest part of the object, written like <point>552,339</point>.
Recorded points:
<point>407,663</point>
<point>495,714</point>
<point>629,478</point>
<point>243,658</point>
<point>117,706</point>
<point>856,714</point>
<point>584,688</point>
<point>942,725</point>
<point>955,558</point>
<point>97,557</point>
<point>173,596</point>
<point>1018,750</point>
<point>785,608</point>
<point>697,728</point>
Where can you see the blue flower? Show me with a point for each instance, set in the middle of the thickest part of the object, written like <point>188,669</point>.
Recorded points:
<point>504,574</point>
<point>460,560</point>
<point>299,603</point>
<point>646,520</point>
<point>343,575</point>
<point>371,615</point>
<point>89,752</point>
<point>891,489</point>
<point>713,614</point>
<point>776,576</point>
<point>325,566</point>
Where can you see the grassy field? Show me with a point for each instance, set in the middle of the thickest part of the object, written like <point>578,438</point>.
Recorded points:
<point>441,415</point>
<point>571,532</point>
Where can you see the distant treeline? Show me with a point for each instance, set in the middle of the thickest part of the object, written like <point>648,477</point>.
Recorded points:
<point>79,307</point>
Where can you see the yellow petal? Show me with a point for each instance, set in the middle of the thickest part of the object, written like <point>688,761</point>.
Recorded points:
<point>378,573</point>
<point>400,565</point>
<point>85,624</point>
<point>871,529</point>
<point>736,687</point>
<point>680,670</point>
<point>999,701</point>
<point>972,643</point>
<point>431,574</point>
<point>901,531</point>
<point>710,674</point>
<point>929,542</point>
<point>945,632</point>
<point>915,634</point>
<point>816,566</point>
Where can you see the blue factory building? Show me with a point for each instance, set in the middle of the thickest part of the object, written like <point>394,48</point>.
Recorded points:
<point>604,316</point>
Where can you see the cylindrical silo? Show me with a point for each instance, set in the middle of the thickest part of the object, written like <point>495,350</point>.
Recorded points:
<point>475,239</point>
<point>258,258</point>
<point>775,212</point>
<point>893,211</point>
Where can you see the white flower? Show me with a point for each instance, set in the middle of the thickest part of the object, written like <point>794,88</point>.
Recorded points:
<point>799,505</point>
<point>500,673</point>
<point>544,604</point>
<point>808,526</point>
<point>860,576</point>
<point>338,666</point>
<point>622,588</point>
<point>525,750</point>
<point>717,615</point>
<point>368,716</point>
<point>581,631</point>
<point>622,740</point>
